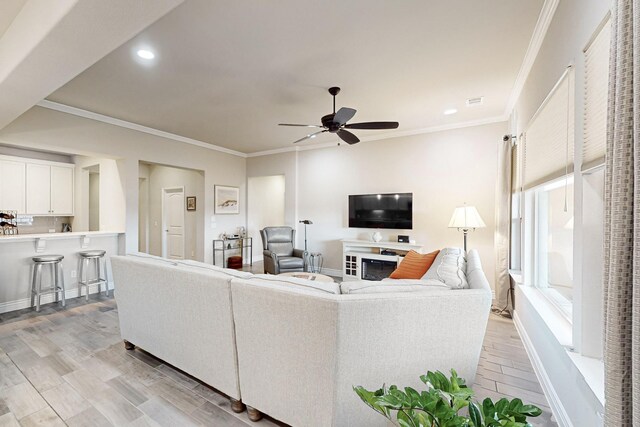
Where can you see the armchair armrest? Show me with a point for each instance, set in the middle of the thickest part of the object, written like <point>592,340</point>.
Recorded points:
<point>300,253</point>
<point>270,262</point>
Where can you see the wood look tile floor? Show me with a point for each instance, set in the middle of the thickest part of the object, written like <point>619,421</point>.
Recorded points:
<point>69,367</point>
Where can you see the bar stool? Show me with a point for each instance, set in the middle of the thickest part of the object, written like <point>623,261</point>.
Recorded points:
<point>57,278</point>
<point>95,258</point>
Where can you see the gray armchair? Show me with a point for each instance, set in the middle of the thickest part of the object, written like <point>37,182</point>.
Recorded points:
<point>279,253</point>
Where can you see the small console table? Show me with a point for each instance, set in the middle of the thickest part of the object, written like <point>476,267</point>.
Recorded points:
<point>364,259</point>
<point>238,244</point>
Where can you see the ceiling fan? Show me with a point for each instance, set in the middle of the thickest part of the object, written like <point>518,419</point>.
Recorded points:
<point>336,122</point>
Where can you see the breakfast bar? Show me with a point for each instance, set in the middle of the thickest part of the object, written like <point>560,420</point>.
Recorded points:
<point>17,251</point>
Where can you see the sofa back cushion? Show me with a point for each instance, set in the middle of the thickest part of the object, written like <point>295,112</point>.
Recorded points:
<point>449,267</point>
<point>414,265</point>
<point>208,267</point>
<point>311,285</point>
<point>278,240</point>
<point>390,286</point>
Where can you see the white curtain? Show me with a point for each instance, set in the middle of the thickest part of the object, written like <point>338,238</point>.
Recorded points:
<point>503,228</point>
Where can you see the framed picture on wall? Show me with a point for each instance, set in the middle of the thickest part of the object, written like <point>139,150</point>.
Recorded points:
<point>191,203</point>
<point>226,200</point>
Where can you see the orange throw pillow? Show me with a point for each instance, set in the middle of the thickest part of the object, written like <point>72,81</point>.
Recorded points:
<point>414,265</point>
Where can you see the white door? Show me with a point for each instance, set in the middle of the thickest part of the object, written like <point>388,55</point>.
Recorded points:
<point>173,223</point>
<point>61,190</point>
<point>38,189</point>
<point>12,186</point>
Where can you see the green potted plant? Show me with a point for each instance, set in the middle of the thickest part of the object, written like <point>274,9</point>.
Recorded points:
<point>447,402</point>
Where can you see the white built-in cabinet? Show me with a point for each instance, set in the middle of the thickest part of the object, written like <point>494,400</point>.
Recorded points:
<point>12,186</point>
<point>36,188</point>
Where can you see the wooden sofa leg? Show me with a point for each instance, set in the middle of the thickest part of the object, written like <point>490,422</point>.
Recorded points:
<point>237,405</point>
<point>128,345</point>
<point>254,414</point>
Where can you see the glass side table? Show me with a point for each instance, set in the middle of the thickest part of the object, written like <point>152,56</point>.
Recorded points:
<point>229,245</point>
<point>314,262</point>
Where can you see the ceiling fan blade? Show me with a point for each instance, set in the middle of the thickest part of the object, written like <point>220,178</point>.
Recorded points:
<point>304,126</point>
<point>311,135</point>
<point>373,125</point>
<point>348,137</point>
<point>344,115</point>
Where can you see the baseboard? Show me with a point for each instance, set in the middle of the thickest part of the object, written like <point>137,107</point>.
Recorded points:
<point>6,307</point>
<point>560,414</point>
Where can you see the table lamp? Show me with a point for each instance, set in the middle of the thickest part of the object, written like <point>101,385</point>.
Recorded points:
<point>466,218</point>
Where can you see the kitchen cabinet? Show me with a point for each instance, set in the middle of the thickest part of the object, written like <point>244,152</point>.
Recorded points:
<point>38,189</point>
<point>12,186</point>
<point>49,189</point>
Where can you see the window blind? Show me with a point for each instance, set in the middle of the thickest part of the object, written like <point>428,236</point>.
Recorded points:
<point>548,145</point>
<point>596,91</point>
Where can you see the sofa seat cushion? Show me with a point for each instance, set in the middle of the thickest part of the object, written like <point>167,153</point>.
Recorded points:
<point>312,285</point>
<point>290,262</point>
<point>201,265</point>
<point>391,286</point>
<point>449,267</point>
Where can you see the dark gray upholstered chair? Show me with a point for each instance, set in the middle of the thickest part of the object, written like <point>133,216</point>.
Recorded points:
<point>279,254</point>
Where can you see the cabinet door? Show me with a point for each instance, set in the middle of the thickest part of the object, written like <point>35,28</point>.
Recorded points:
<point>61,190</point>
<point>38,189</point>
<point>12,186</point>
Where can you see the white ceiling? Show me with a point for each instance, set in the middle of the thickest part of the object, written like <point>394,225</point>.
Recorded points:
<point>227,72</point>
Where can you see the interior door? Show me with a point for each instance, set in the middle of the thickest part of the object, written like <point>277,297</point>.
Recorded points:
<point>38,189</point>
<point>173,223</point>
<point>61,190</point>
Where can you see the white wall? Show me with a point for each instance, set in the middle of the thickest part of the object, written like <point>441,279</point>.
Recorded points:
<point>94,201</point>
<point>265,207</point>
<point>41,128</point>
<point>442,170</point>
<point>193,182</point>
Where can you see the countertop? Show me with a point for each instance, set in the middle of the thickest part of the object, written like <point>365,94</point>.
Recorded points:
<point>49,236</point>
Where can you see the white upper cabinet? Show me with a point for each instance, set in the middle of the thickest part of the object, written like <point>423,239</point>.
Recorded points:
<point>61,190</point>
<point>12,186</point>
<point>38,189</point>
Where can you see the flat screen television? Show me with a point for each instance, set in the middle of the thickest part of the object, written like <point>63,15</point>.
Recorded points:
<point>393,210</point>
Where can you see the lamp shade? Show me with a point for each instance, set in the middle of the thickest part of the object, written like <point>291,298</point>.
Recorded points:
<point>466,217</point>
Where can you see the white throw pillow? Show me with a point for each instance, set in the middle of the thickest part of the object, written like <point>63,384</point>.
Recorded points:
<point>391,286</point>
<point>449,267</point>
<point>327,287</point>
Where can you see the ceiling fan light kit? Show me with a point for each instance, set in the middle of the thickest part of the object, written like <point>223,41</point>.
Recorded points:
<point>336,122</point>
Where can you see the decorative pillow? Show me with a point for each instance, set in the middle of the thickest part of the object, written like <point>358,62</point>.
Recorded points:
<point>390,286</point>
<point>449,267</point>
<point>414,265</point>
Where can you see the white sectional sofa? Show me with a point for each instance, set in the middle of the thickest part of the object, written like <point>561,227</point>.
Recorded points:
<point>294,349</point>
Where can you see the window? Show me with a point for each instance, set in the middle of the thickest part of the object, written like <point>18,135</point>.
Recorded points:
<point>554,243</point>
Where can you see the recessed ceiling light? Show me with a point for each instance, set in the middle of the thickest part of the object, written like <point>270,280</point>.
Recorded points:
<point>146,54</point>
<point>450,111</point>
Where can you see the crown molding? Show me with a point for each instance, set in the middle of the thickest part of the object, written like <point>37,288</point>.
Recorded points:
<point>134,126</point>
<point>537,38</point>
<point>421,131</point>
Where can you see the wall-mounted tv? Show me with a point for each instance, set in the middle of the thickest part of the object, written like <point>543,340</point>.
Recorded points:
<point>394,210</point>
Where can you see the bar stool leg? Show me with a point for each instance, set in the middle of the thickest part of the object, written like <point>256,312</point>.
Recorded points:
<point>96,271</point>
<point>33,284</point>
<point>60,272</point>
<point>54,281</point>
<point>106,276</point>
<point>86,277</point>
<point>39,286</point>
